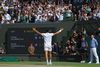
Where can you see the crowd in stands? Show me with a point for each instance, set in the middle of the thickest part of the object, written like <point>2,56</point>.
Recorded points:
<point>35,11</point>
<point>76,45</point>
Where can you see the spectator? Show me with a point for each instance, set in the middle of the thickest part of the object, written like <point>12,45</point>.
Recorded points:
<point>0,18</point>
<point>83,49</point>
<point>55,49</point>
<point>98,14</point>
<point>33,17</point>
<point>2,50</point>
<point>31,49</point>
<point>93,50</point>
<point>55,10</point>
<point>60,17</point>
<point>75,13</point>
<point>7,18</point>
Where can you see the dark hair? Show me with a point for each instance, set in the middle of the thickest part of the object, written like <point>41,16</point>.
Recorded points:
<point>49,30</point>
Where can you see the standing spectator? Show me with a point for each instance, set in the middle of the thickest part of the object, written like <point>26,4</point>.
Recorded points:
<point>93,50</point>
<point>98,14</point>
<point>69,12</point>
<point>0,18</point>
<point>7,18</point>
<point>32,20</point>
<point>5,7</point>
<point>83,49</point>
<point>75,13</point>
<point>60,18</point>
<point>55,49</point>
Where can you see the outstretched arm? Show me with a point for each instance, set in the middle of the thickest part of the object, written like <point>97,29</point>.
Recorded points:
<point>37,31</point>
<point>58,31</point>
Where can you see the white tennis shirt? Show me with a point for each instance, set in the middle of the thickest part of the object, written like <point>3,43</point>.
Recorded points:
<point>47,38</point>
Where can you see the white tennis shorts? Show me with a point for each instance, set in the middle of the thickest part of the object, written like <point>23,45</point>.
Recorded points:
<point>47,47</point>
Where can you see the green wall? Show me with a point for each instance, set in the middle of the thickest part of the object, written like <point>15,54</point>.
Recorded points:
<point>66,25</point>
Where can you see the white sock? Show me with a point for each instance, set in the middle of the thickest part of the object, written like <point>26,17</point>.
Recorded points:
<point>50,61</point>
<point>47,61</point>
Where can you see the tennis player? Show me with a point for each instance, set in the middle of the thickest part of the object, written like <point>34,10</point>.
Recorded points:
<point>48,43</point>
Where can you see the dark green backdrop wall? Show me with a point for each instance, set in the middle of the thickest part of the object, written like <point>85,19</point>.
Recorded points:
<point>6,29</point>
<point>67,25</point>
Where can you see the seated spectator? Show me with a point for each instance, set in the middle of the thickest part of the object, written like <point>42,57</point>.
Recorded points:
<point>2,50</point>
<point>71,47</point>
<point>31,49</point>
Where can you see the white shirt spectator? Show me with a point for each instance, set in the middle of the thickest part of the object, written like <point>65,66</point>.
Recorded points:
<point>50,14</point>
<point>61,17</point>
<point>4,1</point>
<point>49,5</point>
<point>14,0</point>
<point>7,17</point>
<point>5,8</point>
<point>69,13</point>
<point>38,18</point>
<point>98,14</point>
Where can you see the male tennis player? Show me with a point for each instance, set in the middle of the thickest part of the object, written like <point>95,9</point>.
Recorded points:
<point>48,43</point>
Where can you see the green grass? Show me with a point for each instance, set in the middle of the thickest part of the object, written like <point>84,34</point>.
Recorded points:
<point>43,64</point>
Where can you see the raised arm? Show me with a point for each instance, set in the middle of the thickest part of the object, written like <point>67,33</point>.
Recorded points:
<point>37,31</point>
<point>58,31</point>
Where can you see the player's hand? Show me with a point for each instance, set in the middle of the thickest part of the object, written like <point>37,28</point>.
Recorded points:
<point>61,28</point>
<point>33,28</point>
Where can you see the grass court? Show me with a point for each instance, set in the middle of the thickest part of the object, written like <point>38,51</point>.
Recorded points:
<point>43,64</point>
